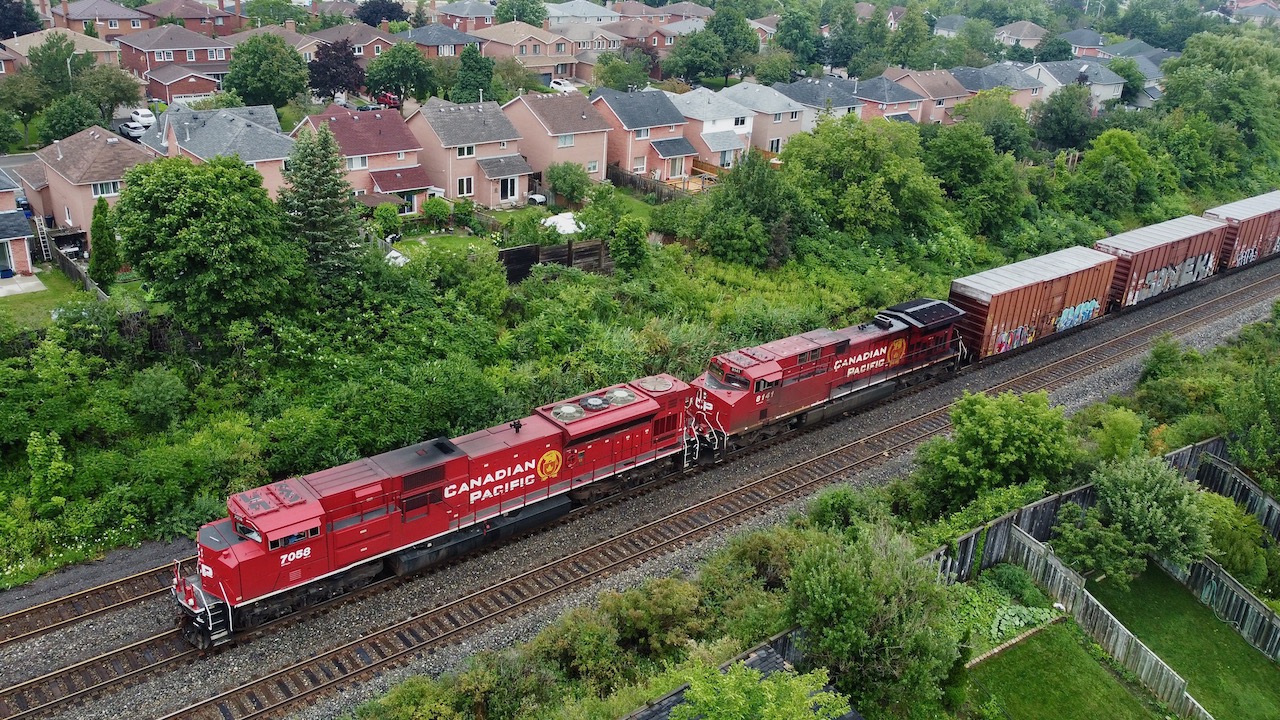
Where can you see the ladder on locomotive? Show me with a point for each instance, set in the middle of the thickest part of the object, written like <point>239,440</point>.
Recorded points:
<point>43,232</point>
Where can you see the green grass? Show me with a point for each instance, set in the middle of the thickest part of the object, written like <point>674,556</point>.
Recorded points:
<point>1228,677</point>
<point>634,205</point>
<point>32,309</point>
<point>419,246</point>
<point>1050,676</point>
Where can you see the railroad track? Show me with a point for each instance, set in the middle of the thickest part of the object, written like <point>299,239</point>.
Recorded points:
<point>42,618</point>
<point>282,690</point>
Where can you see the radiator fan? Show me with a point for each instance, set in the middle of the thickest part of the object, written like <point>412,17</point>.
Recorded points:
<point>619,396</point>
<point>594,403</point>
<point>567,413</point>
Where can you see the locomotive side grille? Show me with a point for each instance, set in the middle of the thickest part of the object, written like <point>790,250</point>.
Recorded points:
<point>422,478</point>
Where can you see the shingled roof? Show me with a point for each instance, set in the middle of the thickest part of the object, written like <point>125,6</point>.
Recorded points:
<point>702,104</point>
<point>171,37</point>
<point>761,98</point>
<point>252,133</point>
<point>365,133</point>
<point>883,91</point>
<point>183,9</point>
<point>1084,37</point>
<point>994,76</point>
<point>1067,72</point>
<point>467,9</point>
<point>437,34</point>
<point>936,84</point>
<point>639,109</point>
<point>293,39</point>
<point>470,124</point>
<point>98,10</point>
<point>820,93</point>
<point>562,114</point>
<point>92,155</point>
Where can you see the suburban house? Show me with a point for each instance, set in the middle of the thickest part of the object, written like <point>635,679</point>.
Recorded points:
<point>718,128</point>
<point>1127,48</point>
<point>687,26</point>
<point>8,62</point>
<point>864,10</point>
<point>1152,80</point>
<point>1024,88</point>
<point>685,10</point>
<point>195,15</point>
<point>825,97</point>
<point>439,40</point>
<point>941,91</point>
<point>103,53</point>
<point>949,25</point>
<point>1259,14</point>
<point>1103,84</point>
<point>250,133</point>
<point>895,16</point>
<point>177,63</point>
<point>306,45</point>
<point>471,151</point>
<point>579,12</point>
<point>646,32</point>
<point>777,117</point>
<point>589,37</point>
<point>467,15</point>
<point>366,42</point>
<point>765,28</point>
<point>633,10</point>
<point>1085,42</point>
<point>381,155</point>
<point>647,136</point>
<point>110,20</point>
<point>1024,32</point>
<point>883,98</point>
<point>15,231</point>
<point>80,169</point>
<point>560,128</point>
<point>542,52</point>
<point>337,8</point>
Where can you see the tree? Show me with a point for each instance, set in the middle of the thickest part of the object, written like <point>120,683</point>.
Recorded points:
<point>218,101</point>
<point>373,12</point>
<point>274,12</point>
<point>401,71</point>
<point>985,184</point>
<point>265,70</point>
<point>23,95</point>
<point>475,77</point>
<point>91,29</point>
<point>741,692</point>
<point>387,220</point>
<point>1090,546</point>
<point>736,37</point>
<point>754,215</point>
<point>615,71</point>
<point>602,212</point>
<point>876,618</point>
<point>1065,120</point>
<point>168,20</point>
<point>1054,49</point>
<point>509,77</point>
<point>9,134</point>
<point>1155,506</point>
<point>319,209</point>
<point>912,34</point>
<point>696,56</point>
<point>208,240</point>
<point>568,179</point>
<point>798,34</point>
<point>419,16</point>
<point>1237,538</point>
<point>629,245</point>
<point>1002,121</point>
<point>334,69</point>
<point>104,261</point>
<point>56,63</point>
<point>525,11</point>
<point>774,66</point>
<point>66,117</point>
<point>109,87</point>
<point>1134,80</point>
<point>18,17</point>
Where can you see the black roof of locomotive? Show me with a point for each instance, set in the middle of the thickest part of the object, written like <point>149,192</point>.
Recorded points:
<point>926,313</point>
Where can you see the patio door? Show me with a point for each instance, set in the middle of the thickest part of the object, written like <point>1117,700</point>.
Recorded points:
<point>677,167</point>
<point>507,189</point>
<point>6,257</point>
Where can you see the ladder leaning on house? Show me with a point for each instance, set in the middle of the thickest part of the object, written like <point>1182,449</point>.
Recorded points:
<point>43,232</point>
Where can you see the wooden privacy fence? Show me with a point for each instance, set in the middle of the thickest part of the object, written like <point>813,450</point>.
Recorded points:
<point>592,256</point>
<point>1220,476</point>
<point>75,272</point>
<point>640,183</point>
<point>1188,459</point>
<point>1232,602</point>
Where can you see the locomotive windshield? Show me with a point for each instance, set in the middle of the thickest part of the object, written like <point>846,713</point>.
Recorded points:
<point>246,531</point>
<point>730,379</point>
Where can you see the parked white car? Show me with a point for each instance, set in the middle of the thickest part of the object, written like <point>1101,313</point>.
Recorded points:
<point>562,86</point>
<point>143,117</point>
<point>132,130</point>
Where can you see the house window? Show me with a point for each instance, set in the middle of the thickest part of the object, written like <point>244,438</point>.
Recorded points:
<point>87,23</point>
<point>217,21</point>
<point>106,189</point>
<point>357,50</point>
<point>400,155</point>
<point>464,187</point>
<point>358,162</point>
<point>777,117</point>
<point>614,44</point>
<point>642,134</point>
<point>637,165</point>
<point>113,24</point>
<point>377,49</point>
<point>503,145</point>
<point>537,49</point>
<point>655,42</point>
<point>488,21</point>
<point>559,47</point>
<point>524,49</point>
<point>671,40</point>
<point>357,193</point>
<point>795,114</point>
<point>308,56</point>
<point>593,166</point>
<point>740,121</point>
<point>218,54</point>
<point>466,151</point>
<point>445,51</point>
<point>1035,91</point>
<point>204,21</point>
<point>135,24</point>
<point>880,105</point>
<point>914,106</point>
<point>191,56</point>
<point>775,145</point>
<point>564,141</point>
<point>939,103</point>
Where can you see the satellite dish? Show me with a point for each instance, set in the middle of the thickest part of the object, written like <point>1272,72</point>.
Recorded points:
<point>619,396</point>
<point>593,403</point>
<point>567,413</point>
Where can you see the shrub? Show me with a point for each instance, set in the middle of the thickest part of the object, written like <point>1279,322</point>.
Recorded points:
<point>655,620</point>
<point>583,643</point>
<point>435,212</point>
<point>1016,583</point>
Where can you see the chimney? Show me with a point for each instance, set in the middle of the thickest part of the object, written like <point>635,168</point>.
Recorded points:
<point>238,13</point>
<point>291,25</point>
<point>384,25</point>
<point>66,14</point>
<point>222,5</point>
<point>546,23</point>
<point>57,144</point>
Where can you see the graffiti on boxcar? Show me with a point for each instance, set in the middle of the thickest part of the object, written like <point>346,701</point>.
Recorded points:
<point>1015,338</point>
<point>1078,315</point>
<point>1246,256</point>
<point>1173,276</point>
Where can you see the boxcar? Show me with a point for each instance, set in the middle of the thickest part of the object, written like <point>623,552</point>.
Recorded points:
<point>1253,229</point>
<point>1011,306</point>
<point>1163,257</point>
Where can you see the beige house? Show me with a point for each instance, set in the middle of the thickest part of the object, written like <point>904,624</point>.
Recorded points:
<point>647,136</point>
<point>541,51</point>
<point>719,128</point>
<point>1103,84</point>
<point>471,151</point>
<point>560,128</point>
<point>382,155</point>
<point>250,133</point>
<point>776,116</point>
<point>940,89</point>
<point>103,53</point>
<point>1024,32</point>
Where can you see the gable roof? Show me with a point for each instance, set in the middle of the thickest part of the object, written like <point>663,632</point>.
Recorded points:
<point>295,40</point>
<point>1023,30</point>
<point>436,34</point>
<point>365,133</point>
<point>769,22</point>
<point>689,9</point>
<point>1150,70</point>
<point>702,104</point>
<point>6,183</point>
<point>252,133</point>
<point>183,9</point>
<point>864,10</point>
<point>171,37</point>
<point>92,155</point>
<point>355,33</point>
<point>994,76</point>
<point>761,98</point>
<point>633,9</point>
<point>820,93</point>
<point>562,114</point>
<point>32,174</point>
<point>673,147</point>
<point>882,90</point>
<point>470,124</point>
<point>950,22</point>
<point>505,166</point>
<point>688,26</point>
<point>467,9</point>
<point>336,7</point>
<point>580,9</point>
<point>83,43</point>
<point>511,33</point>
<point>1084,37</point>
<point>170,73</point>
<point>639,109</point>
<point>636,28</point>
<point>1067,71</point>
<point>936,84</point>
<point>98,10</point>
<point>1128,48</point>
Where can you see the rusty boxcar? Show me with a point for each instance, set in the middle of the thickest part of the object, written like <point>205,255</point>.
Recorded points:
<point>1253,229</point>
<point>1011,306</point>
<point>1162,257</point>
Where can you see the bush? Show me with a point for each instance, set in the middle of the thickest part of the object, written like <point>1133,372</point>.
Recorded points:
<point>435,212</point>
<point>583,643</point>
<point>1016,583</point>
<point>387,220</point>
<point>656,620</point>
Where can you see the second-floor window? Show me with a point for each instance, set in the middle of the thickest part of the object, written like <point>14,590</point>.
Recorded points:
<point>559,47</point>
<point>217,53</point>
<point>400,155</point>
<point>795,114</point>
<point>739,121</point>
<point>642,134</point>
<point>135,24</point>
<point>445,50</point>
<point>217,21</point>
<point>537,49</point>
<point>308,56</point>
<point>113,24</point>
<point>655,42</point>
<point>162,55</point>
<point>466,151</point>
<point>939,103</point>
<point>377,49</point>
<point>524,49</point>
<point>191,56</point>
<point>564,141</point>
<point>357,50</point>
<point>777,117</point>
<point>358,162</point>
<point>106,189</point>
<point>1035,91</point>
<point>671,39</point>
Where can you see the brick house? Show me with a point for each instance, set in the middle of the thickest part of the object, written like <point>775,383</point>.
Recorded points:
<point>82,168</point>
<point>580,12</point>
<point>467,15</point>
<point>8,62</point>
<point>560,128</point>
<point>471,151</point>
<point>15,231</point>
<point>103,53</point>
<point>658,37</point>
<point>381,153</point>
<point>1085,42</point>
<point>195,16</point>
<point>942,92</point>
<point>112,21</point>
<point>884,99</point>
<point>825,97</point>
<point>439,40</point>
<point>176,62</point>
<point>338,8</point>
<point>718,128</point>
<point>776,116</point>
<point>35,186</point>
<point>540,51</point>
<point>1103,84</point>
<point>685,10</point>
<point>648,133</point>
<point>633,10</point>
<point>1024,88</point>
<point>588,42</point>
<point>1024,32</point>
<point>764,28</point>
<point>306,45</point>
<point>249,133</point>
<point>366,42</point>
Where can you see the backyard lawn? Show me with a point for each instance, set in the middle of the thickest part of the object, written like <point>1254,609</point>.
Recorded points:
<point>32,309</point>
<point>1228,677</point>
<point>412,247</point>
<point>1050,676</point>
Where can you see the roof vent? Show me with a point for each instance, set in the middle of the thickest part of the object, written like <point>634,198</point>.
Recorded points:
<point>112,141</point>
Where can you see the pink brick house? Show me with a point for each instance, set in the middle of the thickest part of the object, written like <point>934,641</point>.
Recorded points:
<point>366,42</point>
<point>471,151</point>
<point>467,15</point>
<point>195,16</point>
<point>653,35</point>
<point>776,116</point>
<point>540,51</point>
<point>177,63</point>
<point>560,128</point>
<point>647,135</point>
<point>884,99</point>
<point>15,231</point>
<point>942,92</point>
<point>82,168</point>
<point>1023,88</point>
<point>249,133</point>
<point>381,153</point>
<point>112,21</point>
<point>103,53</point>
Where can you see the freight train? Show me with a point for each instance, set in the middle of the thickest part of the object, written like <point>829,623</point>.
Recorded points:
<point>306,539</point>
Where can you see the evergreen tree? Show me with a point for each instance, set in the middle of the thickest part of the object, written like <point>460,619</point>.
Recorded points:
<point>475,76</point>
<point>104,260</point>
<point>319,209</point>
<point>91,30</point>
